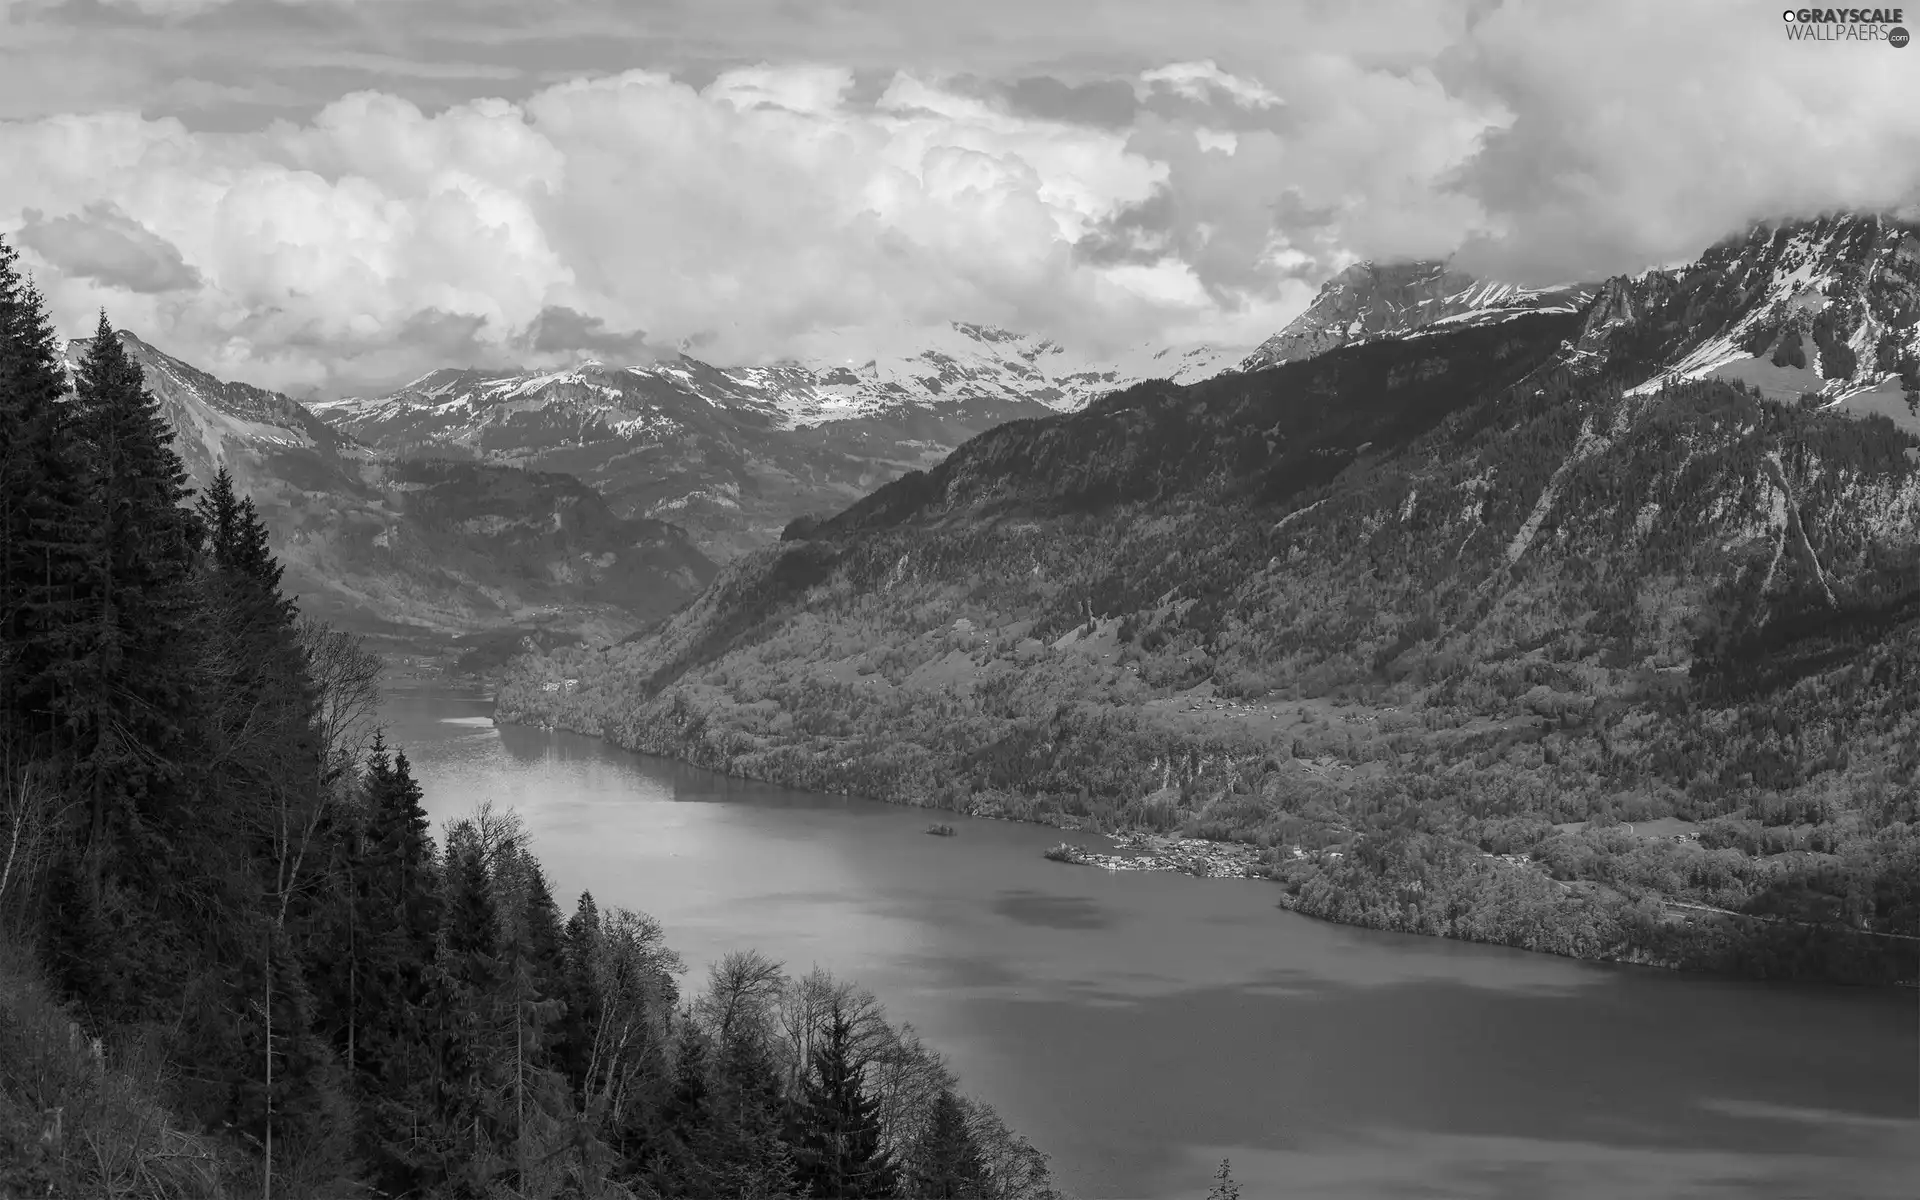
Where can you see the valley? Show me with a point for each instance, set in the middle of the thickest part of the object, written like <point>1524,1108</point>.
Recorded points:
<point>1447,576</point>
<point>1392,617</point>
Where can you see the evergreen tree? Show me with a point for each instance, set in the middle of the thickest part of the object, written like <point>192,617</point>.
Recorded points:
<point>396,927</point>
<point>471,979</point>
<point>41,523</point>
<point>946,1161</point>
<point>580,992</point>
<point>748,1146</point>
<point>838,1154</point>
<point>682,1161</point>
<point>124,690</point>
<point>533,977</point>
<point>219,513</point>
<point>1224,1188</point>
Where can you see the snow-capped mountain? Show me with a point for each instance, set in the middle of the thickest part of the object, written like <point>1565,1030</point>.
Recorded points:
<point>958,364</point>
<point>1826,307</point>
<point>383,543</point>
<point>1369,300</point>
<point>734,453</point>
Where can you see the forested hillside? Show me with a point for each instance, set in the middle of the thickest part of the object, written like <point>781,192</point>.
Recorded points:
<point>234,959</point>
<point>1451,638</point>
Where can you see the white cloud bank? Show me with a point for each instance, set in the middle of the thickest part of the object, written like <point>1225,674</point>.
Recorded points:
<point>372,240</point>
<point>376,238</point>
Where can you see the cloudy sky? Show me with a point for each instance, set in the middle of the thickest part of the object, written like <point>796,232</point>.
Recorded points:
<point>332,195</point>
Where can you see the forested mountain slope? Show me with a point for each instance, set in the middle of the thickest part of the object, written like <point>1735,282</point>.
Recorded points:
<point>1455,635</point>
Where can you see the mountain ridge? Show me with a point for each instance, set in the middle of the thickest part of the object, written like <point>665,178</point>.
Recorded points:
<point>734,454</point>
<point>1423,622</point>
<point>386,545</point>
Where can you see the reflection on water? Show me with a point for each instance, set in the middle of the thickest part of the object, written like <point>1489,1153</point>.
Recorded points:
<point>1140,1026</point>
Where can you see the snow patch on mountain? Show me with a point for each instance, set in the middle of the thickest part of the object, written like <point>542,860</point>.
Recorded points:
<point>1373,300</point>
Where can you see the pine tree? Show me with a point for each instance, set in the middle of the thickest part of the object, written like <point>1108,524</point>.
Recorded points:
<point>396,925</point>
<point>219,513</point>
<point>534,976</point>
<point>41,524</point>
<point>682,1160</point>
<point>749,1149</point>
<point>472,985</point>
<point>1225,1188</point>
<point>580,992</point>
<point>124,691</point>
<point>946,1161</point>
<point>838,1153</point>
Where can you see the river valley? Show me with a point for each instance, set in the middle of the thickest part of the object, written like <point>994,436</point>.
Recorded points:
<point>1139,1026</point>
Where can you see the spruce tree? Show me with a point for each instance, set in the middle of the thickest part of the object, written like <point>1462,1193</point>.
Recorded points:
<point>124,691</point>
<point>41,526</point>
<point>469,1003</point>
<point>946,1161</point>
<point>838,1154</point>
<point>579,990</point>
<point>1224,1187</point>
<point>682,1160</point>
<point>397,929</point>
<point>533,976</point>
<point>749,1149</point>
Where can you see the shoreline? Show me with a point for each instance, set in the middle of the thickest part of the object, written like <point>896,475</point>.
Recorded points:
<point>1207,858</point>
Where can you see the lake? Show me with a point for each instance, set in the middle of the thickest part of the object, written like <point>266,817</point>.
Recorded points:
<point>1141,1026</point>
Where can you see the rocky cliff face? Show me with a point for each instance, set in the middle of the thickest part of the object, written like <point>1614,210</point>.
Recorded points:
<point>1370,300</point>
<point>1823,308</point>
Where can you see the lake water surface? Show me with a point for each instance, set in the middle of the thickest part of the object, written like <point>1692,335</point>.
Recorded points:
<point>1141,1026</point>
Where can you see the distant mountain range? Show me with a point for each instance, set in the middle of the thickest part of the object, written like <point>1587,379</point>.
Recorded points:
<point>601,496</point>
<point>1591,628</point>
<point>734,453</point>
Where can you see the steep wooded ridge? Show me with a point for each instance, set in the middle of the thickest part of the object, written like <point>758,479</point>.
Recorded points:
<point>384,543</point>
<point>1465,631</point>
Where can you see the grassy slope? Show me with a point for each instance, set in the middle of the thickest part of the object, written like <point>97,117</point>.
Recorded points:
<point>77,1120</point>
<point>1387,617</point>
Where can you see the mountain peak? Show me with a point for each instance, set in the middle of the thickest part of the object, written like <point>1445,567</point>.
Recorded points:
<point>1372,299</point>
<point>1827,305</point>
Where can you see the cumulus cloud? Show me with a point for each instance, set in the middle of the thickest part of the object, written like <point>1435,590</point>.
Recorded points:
<point>1203,81</point>
<point>103,244</point>
<point>1182,176</point>
<point>742,214</point>
<point>1641,133</point>
<point>561,330</point>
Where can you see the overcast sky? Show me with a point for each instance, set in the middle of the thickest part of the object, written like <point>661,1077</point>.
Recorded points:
<point>338,194</point>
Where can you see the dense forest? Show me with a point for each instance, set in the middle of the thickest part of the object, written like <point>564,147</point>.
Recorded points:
<point>234,958</point>
<point>1448,636</point>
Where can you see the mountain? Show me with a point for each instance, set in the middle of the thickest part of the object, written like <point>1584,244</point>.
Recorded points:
<point>1370,300</point>
<point>733,454</point>
<point>1825,308</point>
<point>1463,631</point>
<point>383,543</point>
